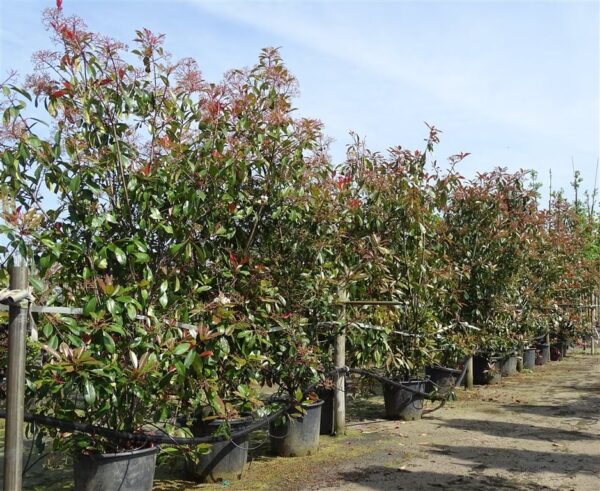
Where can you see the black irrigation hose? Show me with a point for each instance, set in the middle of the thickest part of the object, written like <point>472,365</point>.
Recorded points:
<point>158,439</point>
<point>393,383</point>
<point>144,437</point>
<point>458,383</point>
<point>167,439</point>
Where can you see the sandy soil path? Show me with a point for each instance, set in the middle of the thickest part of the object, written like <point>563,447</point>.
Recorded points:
<point>536,431</point>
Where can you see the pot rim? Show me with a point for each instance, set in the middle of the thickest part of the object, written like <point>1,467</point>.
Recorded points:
<point>409,382</point>
<point>318,402</point>
<point>444,369</point>
<point>232,421</point>
<point>119,455</point>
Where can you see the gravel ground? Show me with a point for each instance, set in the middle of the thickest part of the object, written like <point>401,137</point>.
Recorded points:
<point>535,431</point>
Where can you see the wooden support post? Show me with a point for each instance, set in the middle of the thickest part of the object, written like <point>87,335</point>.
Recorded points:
<point>15,392</point>
<point>594,323</point>
<point>339,351</point>
<point>469,374</point>
<point>595,319</point>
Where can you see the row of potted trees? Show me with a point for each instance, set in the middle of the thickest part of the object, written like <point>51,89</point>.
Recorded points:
<point>207,235</point>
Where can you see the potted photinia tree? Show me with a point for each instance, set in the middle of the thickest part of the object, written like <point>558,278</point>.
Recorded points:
<point>104,242</point>
<point>296,371</point>
<point>572,236</point>
<point>391,252</point>
<point>160,185</point>
<point>256,195</point>
<point>454,344</point>
<point>489,221</point>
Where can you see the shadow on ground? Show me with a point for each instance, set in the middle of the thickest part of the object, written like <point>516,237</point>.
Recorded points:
<point>382,478</point>
<point>521,460</point>
<point>585,407</point>
<point>517,430</point>
<point>364,409</point>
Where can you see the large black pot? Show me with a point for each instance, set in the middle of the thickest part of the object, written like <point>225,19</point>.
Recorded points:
<point>225,461</point>
<point>558,351</point>
<point>440,379</point>
<point>327,411</point>
<point>402,403</point>
<point>529,358</point>
<point>486,370</point>
<point>543,354</point>
<point>296,437</point>
<point>125,471</point>
<point>508,365</point>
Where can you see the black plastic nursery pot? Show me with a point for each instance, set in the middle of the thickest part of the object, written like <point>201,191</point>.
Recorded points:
<point>401,403</point>
<point>508,365</point>
<point>225,461</point>
<point>529,358</point>
<point>441,379</point>
<point>543,355</point>
<point>327,411</point>
<point>558,351</point>
<point>487,370</point>
<point>125,471</point>
<point>297,437</point>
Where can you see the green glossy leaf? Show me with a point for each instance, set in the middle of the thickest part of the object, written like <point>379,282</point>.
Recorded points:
<point>131,311</point>
<point>189,359</point>
<point>181,348</point>
<point>109,343</point>
<point>120,255</point>
<point>38,285</point>
<point>89,393</point>
<point>90,306</point>
<point>163,300</point>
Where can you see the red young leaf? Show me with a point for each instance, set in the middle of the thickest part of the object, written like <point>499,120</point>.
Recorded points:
<point>146,169</point>
<point>59,4</point>
<point>58,93</point>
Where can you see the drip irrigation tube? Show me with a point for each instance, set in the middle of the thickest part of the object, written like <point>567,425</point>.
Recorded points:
<point>393,383</point>
<point>154,438</point>
<point>425,395</point>
<point>166,439</point>
<point>144,437</point>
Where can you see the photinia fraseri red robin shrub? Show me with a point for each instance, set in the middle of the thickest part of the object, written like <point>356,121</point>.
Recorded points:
<point>489,223</point>
<point>570,266</point>
<point>388,213</point>
<point>520,269</point>
<point>150,197</point>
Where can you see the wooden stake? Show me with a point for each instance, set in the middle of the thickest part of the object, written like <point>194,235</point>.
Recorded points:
<point>340,378</point>
<point>469,374</point>
<point>15,392</point>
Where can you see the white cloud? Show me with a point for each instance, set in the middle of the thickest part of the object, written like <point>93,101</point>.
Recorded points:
<point>467,85</point>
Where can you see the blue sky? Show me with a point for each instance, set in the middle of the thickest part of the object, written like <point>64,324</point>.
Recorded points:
<point>515,83</point>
